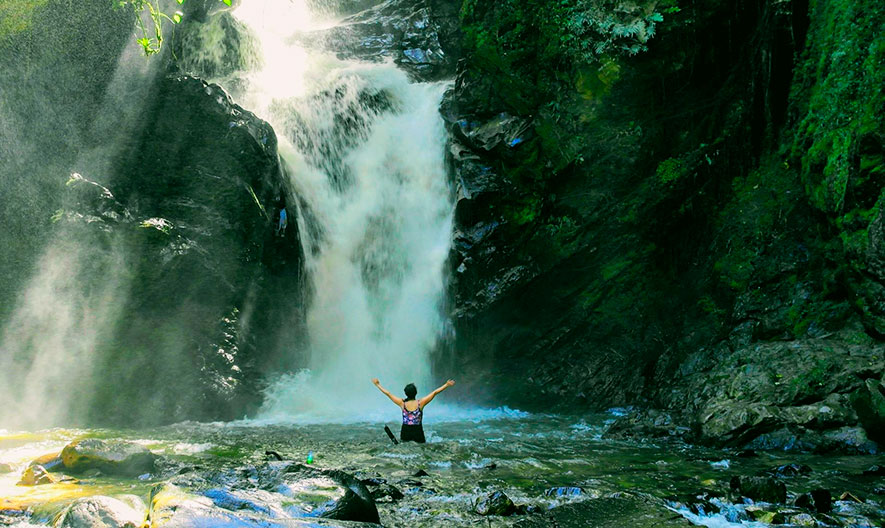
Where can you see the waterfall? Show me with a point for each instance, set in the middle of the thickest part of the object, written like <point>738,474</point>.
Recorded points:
<point>364,148</point>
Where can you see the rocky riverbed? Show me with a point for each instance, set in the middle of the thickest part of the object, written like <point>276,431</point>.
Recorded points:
<point>501,469</point>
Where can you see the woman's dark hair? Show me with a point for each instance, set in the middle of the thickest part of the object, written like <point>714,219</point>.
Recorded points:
<point>411,391</point>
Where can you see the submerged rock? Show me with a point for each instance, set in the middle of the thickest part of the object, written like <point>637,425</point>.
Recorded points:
<point>100,512</point>
<point>615,512</point>
<point>495,503</point>
<point>113,457</point>
<point>763,489</point>
<point>172,507</point>
<point>789,470</point>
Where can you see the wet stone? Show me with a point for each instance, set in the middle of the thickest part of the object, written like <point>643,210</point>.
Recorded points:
<point>876,470</point>
<point>386,493</point>
<point>100,512</point>
<point>803,519</point>
<point>495,503</point>
<point>111,457</point>
<point>819,500</point>
<point>564,491</point>
<point>789,470</point>
<point>50,461</point>
<point>763,489</point>
<point>35,476</point>
<point>765,516</point>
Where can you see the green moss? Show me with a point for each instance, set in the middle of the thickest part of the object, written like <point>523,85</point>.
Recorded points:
<point>17,16</point>
<point>669,170</point>
<point>843,85</point>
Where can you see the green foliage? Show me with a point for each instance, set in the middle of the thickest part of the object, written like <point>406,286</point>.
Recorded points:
<point>524,211</point>
<point>149,15</point>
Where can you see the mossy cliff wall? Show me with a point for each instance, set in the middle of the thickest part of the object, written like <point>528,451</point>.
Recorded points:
<point>645,188</point>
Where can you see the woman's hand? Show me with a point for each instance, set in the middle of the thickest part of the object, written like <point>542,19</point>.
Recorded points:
<point>376,382</point>
<point>450,383</point>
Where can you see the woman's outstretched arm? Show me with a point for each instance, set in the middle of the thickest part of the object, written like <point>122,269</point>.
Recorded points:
<point>429,398</point>
<point>394,399</point>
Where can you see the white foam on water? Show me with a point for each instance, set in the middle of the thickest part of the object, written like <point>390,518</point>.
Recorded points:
<point>715,520</point>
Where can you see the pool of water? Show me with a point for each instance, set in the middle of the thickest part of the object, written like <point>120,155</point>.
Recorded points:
<point>524,456</point>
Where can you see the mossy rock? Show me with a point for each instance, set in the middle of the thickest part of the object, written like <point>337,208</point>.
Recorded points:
<point>112,457</point>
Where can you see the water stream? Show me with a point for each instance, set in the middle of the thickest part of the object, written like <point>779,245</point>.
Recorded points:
<point>364,148</point>
<point>525,457</point>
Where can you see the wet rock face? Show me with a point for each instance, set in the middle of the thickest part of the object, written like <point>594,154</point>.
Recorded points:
<point>775,396</point>
<point>111,457</point>
<point>422,37</point>
<point>189,208</point>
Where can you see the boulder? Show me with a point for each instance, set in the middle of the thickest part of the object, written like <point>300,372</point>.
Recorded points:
<point>100,512</point>
<point>386,493</point>
<point>819,500</point>
<point>734,422</point>
<point>802,519</point>
<point>869,403</point>
<point>848,440</point>
<point>495,503</point>
<point>35,476</point>
<point>564,491</point>
<point>174,507</point>
<point>789,470</point>
<point>50,461</point>
<point>760,489</point>
<point>608,512</point>
<point>327,493</point>
<point>113,457</point>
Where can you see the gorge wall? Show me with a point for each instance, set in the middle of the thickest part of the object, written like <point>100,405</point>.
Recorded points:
<point>674,205</point>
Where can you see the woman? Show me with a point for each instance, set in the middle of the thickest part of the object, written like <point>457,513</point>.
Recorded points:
<point>413,410</point>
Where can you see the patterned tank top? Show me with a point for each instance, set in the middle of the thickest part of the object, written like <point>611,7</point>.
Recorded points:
<point>412,417</point>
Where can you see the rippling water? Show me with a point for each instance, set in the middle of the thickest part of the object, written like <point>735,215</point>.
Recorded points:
<point>524,456</point>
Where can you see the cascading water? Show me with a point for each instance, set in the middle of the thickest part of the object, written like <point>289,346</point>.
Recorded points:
<point>365,151</point>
